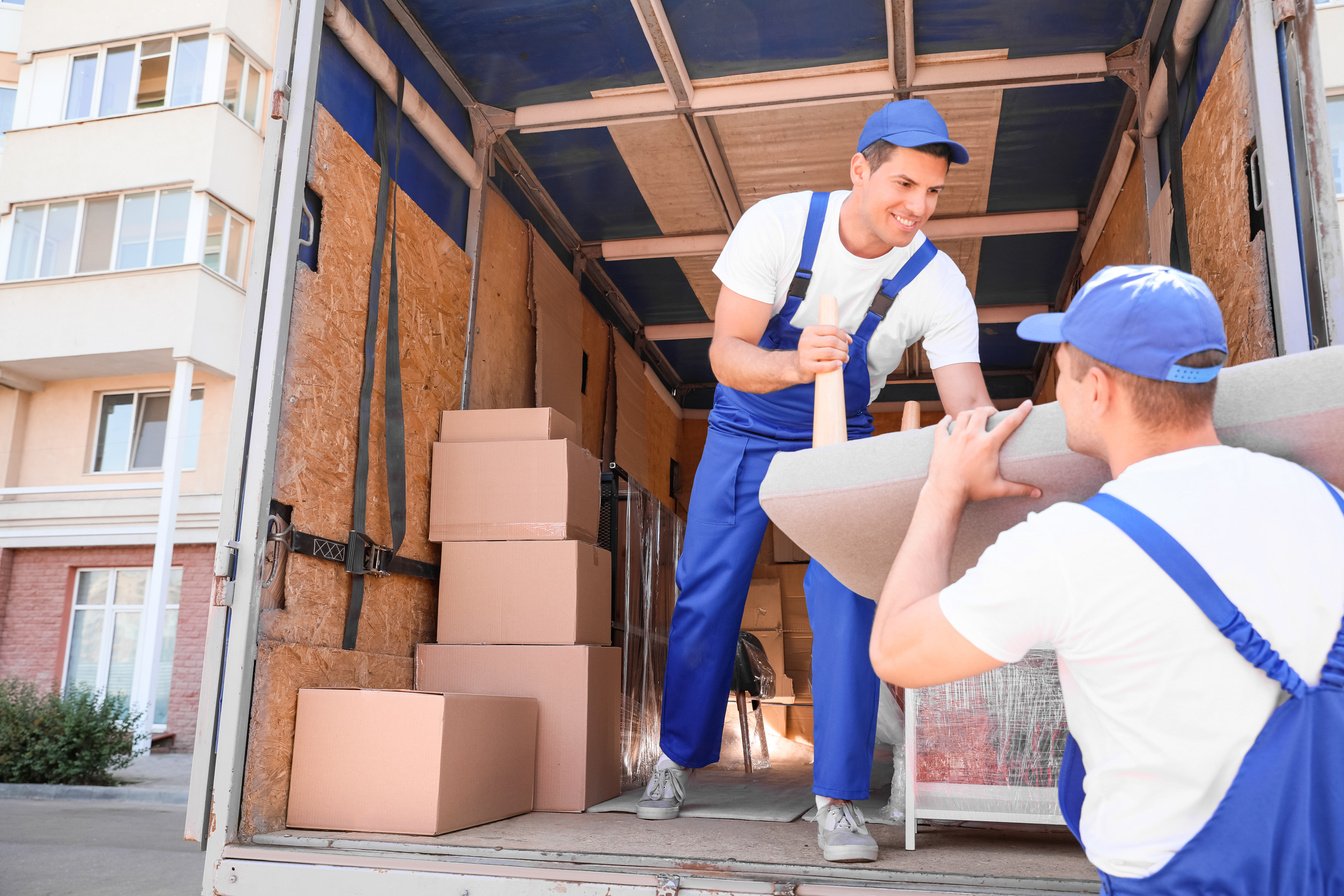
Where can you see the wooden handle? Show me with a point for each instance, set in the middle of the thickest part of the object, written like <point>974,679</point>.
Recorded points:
<point>910,416</point>
<point>828,413</point>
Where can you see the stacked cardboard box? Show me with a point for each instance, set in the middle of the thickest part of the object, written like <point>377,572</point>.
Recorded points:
<point>524,593</point>
<point>397,762</point>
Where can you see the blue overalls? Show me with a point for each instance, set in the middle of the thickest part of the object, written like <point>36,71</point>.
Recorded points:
<point>1279,830</point>
<point>724,529</point>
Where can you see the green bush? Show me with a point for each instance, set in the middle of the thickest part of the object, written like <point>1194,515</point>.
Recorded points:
<point>78,737</point>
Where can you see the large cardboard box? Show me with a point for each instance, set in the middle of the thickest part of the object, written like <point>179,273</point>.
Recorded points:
<point>793,597</point>
<point>785,550</point>
<point>408,762</point>
<point>578,690</point>
<point>501,491</point>
<point>763,609</point>
<point>524,592</point>
<point>506,425</point>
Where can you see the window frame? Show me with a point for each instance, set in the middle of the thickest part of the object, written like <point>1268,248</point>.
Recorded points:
<point>231,218</point>
<point>110,610</point>
<point>1335,96</point>
<point>134,85</point>
<point>252,73</point>
<point>133,445</point>
<point>81,219</point>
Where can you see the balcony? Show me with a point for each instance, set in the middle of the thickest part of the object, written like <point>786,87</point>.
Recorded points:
<point>81,23</point>
<point>100,515</point>
<point>206,146</point>
<point>119,323</point>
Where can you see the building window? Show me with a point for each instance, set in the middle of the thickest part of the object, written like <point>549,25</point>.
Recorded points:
<point>225,242</point>
<point>149,74</point>
<point>131,431</point>
<point>7,96</point>
<point>81,236</point>
<point>105,622</point>
<point>1334,113</point>
<point>243,84</point>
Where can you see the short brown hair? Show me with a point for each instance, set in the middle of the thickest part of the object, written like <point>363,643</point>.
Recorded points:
<point>878,151</point>
<point>1159,404</point>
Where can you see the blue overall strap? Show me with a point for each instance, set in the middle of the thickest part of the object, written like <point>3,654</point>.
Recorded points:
<point>913,267</point>
<point>816,216</point>
<point>1185,570</point>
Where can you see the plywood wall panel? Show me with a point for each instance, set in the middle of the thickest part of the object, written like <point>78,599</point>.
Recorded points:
<point>281,670</point>
<point>596,384</point>
<point>503,360</point>
<point>1124,236</point>
<point>300,633</point>
<point>1222,250</point>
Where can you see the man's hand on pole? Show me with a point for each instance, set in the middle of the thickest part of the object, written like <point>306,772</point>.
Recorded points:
<point>821,348</point>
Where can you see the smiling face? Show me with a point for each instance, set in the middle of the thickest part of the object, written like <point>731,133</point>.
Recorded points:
<point>892,201</point>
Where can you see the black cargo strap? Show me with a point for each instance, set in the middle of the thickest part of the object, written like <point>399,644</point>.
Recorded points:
<point>1180,234</point>
<point>360,554</point>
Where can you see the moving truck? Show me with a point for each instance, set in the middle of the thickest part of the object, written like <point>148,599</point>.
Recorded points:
<point>560,178</point>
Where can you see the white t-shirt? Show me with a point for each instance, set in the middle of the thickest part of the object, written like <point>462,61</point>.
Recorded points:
<point>762,256</point>
<point>1162,705</point>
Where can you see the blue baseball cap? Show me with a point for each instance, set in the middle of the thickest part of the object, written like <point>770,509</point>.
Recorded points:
<point>910,123</point>
<point>1140,318</point>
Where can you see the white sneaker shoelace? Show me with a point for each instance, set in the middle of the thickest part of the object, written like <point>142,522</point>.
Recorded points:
<point>844,815</point>
<point>665,785</point>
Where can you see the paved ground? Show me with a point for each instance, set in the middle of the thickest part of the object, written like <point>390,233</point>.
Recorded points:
<point>127,841</point>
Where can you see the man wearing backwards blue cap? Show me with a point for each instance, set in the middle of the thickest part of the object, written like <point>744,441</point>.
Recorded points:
<point>893,287</point>
<point>1164,707</point>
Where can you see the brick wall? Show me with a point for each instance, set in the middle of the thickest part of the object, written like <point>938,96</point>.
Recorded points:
<point>35,598</point>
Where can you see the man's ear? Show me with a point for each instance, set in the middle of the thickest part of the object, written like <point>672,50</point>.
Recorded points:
<point>858,169</point>
<point>1100,389</point>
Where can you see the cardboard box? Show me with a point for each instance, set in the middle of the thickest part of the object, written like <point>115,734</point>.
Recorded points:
<point>785,550</point>
<point>524,592</point>
<point>408,762</point>
<point>506,425</point>
<point>500,491</point>
<point>578,690</point>
<point>763,610</point>
<point>793,598</point>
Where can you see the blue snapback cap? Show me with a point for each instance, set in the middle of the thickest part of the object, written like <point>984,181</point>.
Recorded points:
<point>910,123</point>
<point>1139,318</point>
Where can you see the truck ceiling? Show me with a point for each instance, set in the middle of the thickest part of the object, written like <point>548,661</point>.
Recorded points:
<point>661,121</point>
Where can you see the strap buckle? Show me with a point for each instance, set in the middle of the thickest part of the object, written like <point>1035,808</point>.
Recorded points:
<point>801,280</point>
<point>363,556</point>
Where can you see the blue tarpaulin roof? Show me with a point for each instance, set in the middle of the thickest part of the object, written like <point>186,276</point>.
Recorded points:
<point>1048,146</point>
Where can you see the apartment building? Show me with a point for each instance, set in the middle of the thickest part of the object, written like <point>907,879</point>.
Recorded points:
<point>129,183</point>
<point>1330,37</point>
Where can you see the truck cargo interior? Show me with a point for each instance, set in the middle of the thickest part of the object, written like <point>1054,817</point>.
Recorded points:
<point>560,176</point>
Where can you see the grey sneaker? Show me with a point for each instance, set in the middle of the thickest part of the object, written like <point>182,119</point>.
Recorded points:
<point>664,794</point>
<point>842,834</point>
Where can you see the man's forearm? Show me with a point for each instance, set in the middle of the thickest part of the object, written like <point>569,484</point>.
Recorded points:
<point>922,562</point>
<point>750,368</point>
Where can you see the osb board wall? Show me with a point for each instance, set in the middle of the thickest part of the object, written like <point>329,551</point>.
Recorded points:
<point>1124,237</point>
<point>317,444</point>
<point>281,670</point>
<point>503,358</point>
<point>596,334</point>
<point>558,305</point>
<point>631,411</point>
<point>1217,208</point>
<point>662,437</point>
<point>691,445</point>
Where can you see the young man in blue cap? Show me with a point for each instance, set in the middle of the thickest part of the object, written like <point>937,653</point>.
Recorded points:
<point>893,287</point>
<point>1163,704</point>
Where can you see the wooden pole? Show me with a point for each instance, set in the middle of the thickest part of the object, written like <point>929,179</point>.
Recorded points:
<point>828,414</point>
<point>910,416</point>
